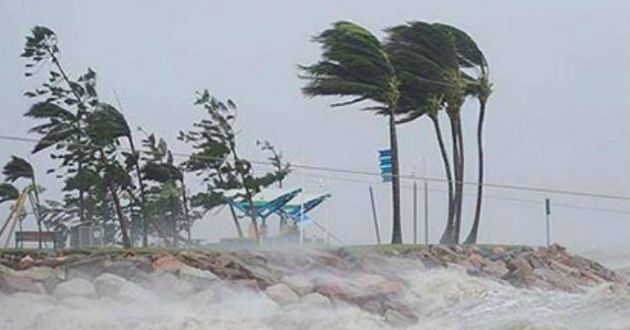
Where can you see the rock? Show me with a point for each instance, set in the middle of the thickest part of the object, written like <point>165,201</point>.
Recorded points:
<point>41,273</point>
<point>282,294</point>
<point>374,306</point>
<point>519,264</point>
<point>300,284</point>
<point>74,287</point>
<point>331,289</point>
<point>168,264</point>
<point>168,282</point>
<point>12,284</point>
<point>398,319</point>
<point>108,285</point>
<point>556,281</point>
<point>197,277</point>
<point>389,288</point>
<point>130,292</point>
<point>495,268</point>
<point>249,284</point>
<point>49,277</point>
<point>26,262</point>
<point>87,268</point>
<point>134,269</point>
<point>316,299</point>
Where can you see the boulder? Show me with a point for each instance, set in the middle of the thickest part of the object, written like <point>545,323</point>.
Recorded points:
<point>130,292</point>
<point>74,287</point>
<point>168,264</point>
<point>519,264</point>
<point>300,284</point>
<point>87,268</point>
<point>26,262</point>
<point>108,284</point>
<point>495,268</point>
<point>170,283</point>
<point>316,299</point>
<point>282,294</point>
<point>12,284</point>
<point>197,277</point>
<point>399,319</point>
<point>49,277</point>
<point>134,269</point>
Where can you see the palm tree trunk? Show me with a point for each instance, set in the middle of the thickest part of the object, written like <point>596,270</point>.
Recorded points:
<point>460,182</point>
<point>145,215</point>
<point>121,217</point>
<point>393,141</point>
<point>447,166</point>
<point>448,237</point>
<point>472,236</point>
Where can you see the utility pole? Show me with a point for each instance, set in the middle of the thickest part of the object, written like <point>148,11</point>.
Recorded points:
<point>378,234</point>
<point>547,215</point>
<point>426,201</point>
<point>426,212</point>
<point>415,212</point>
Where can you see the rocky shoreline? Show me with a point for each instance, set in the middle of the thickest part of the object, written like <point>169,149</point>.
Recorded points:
<point>365,277</point>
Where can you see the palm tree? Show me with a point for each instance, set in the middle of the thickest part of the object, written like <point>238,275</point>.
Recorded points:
<point>8,192</point>
<point>430,81</point>
<point>355,64</point>
<point>18,168</point>
<point>471,58</point>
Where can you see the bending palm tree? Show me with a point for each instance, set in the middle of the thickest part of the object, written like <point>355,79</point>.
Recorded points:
<point>355,64</point>
<point>431,80</point>
<point>18,168</point>
<point>471,58</point>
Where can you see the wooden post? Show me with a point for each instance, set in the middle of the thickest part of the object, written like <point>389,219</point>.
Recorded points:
<point>378,234</point>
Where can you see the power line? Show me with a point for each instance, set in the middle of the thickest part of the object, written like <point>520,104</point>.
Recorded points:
<point>368,173</point>
<point>496,197</point>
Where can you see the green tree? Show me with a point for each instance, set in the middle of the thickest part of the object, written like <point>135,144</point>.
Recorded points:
<point>355,64</point>
<point>216,157</point>
<point>167,198</point>
<point>87,137</point>
<point>19,168</point>
<point>423,56</point>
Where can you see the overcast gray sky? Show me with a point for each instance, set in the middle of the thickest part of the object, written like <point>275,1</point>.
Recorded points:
<point>558,117</point>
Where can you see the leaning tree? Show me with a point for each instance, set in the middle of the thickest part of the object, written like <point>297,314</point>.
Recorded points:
<point>354,64</point>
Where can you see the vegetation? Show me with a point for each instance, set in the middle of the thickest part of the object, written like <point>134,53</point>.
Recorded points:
<point>105,177</point>
<point>419,69</point>
<point>140,195</point>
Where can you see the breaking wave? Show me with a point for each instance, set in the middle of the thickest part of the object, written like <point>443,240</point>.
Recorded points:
<point>442,299</point>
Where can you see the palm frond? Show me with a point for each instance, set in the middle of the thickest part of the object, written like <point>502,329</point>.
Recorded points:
<point>17,168</point>
<point>354,64</point>
<point>8,192</point>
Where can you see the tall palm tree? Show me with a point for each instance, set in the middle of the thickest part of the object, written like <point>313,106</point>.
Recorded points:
<point>474,66</point>
<point>431,81</point>
<point>471,59</point>
<point>355,64</point>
